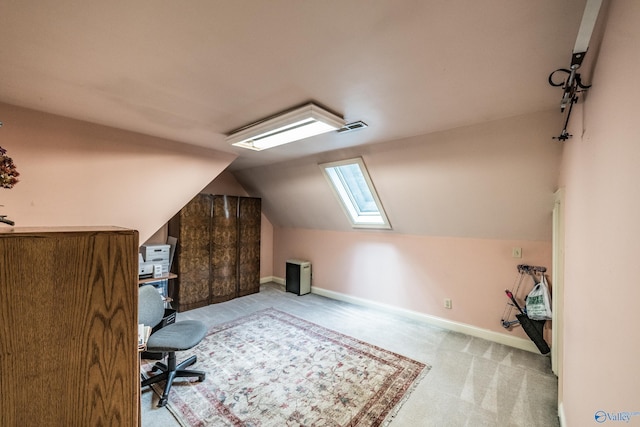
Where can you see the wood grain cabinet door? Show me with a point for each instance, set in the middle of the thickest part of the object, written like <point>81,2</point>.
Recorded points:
<point>224,254</point>
<point>192,227</point>
<point>218,250</point>
<point>249,217</point>
<point>68,327</point>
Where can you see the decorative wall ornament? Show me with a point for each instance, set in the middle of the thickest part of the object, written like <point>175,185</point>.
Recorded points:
<point>8,176</point>
<point>8,172</point>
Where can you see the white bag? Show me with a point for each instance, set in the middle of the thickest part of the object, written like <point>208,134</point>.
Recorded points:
<point>538,302</point>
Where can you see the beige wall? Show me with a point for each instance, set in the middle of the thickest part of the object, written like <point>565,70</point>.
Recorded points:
<point>601,173</point>
<point>78,173</point>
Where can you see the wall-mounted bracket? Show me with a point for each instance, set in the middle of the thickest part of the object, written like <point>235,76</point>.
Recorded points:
<point>571,87</point>
<point>573,84</point>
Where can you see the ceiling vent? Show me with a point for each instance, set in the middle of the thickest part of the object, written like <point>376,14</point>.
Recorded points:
<point>349,127</point>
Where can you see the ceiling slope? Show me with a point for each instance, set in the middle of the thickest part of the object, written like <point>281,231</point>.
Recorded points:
<point>74,173</point>
<point>192,71</point>
<point>493,180</point>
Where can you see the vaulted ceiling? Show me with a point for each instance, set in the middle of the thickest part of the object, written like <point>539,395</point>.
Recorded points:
<point>193,70</point>
<point>455,94</point>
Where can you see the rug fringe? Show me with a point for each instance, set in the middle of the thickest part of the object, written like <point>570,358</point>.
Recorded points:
<point>392,414</point>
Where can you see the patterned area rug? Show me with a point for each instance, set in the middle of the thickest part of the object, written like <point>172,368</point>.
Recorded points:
<point>275,369</point>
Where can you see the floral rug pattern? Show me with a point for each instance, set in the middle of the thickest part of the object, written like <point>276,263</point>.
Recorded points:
<point>274,369</point>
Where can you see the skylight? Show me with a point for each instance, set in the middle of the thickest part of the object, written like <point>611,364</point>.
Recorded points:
<point>353,187</point>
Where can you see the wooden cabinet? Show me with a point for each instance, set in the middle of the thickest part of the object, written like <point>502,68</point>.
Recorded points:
<point>218,251</point>
<point>249,215</point>
<point>68,327</point>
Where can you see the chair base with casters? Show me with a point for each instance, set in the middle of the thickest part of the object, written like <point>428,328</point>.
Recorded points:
<point>174,337</point>
<point>170,371</point>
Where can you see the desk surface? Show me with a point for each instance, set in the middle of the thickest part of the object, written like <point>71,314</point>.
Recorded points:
<point>157,279</point>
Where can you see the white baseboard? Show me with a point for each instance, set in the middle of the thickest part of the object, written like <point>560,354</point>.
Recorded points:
<point>563,421</point>
<point>267,279</point>
<point>450,325</point>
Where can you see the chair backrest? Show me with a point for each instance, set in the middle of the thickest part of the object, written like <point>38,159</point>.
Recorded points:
<point>150,306</point>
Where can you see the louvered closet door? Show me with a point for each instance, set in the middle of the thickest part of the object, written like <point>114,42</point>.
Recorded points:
<point>193,250</point>
<point>249,246</point>
<point>224,258</point>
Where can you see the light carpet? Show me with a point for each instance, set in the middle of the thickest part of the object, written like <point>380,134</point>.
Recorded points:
<point>274,369</point>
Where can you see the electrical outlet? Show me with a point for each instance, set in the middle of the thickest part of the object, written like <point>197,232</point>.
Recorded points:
<point>516,252</point>
<point>448,303</point>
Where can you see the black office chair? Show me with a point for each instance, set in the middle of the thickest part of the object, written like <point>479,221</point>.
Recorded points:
<point>177,336</point>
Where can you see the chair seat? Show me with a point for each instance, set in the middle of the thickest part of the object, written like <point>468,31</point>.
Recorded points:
<point>177,336</point>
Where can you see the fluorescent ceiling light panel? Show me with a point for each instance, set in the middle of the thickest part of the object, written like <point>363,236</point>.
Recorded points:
<point>290,126</point>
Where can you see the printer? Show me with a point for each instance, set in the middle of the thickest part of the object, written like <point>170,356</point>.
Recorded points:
<point>145,269</point>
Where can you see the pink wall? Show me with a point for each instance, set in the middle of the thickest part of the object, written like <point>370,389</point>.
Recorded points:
<point>492,180</point>
<point>458,201</point>
<point>601,173</point>
<point>415,272</point>
<point>78,173</point>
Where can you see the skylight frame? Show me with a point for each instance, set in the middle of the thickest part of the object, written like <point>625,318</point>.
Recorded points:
<point>358,217</point>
